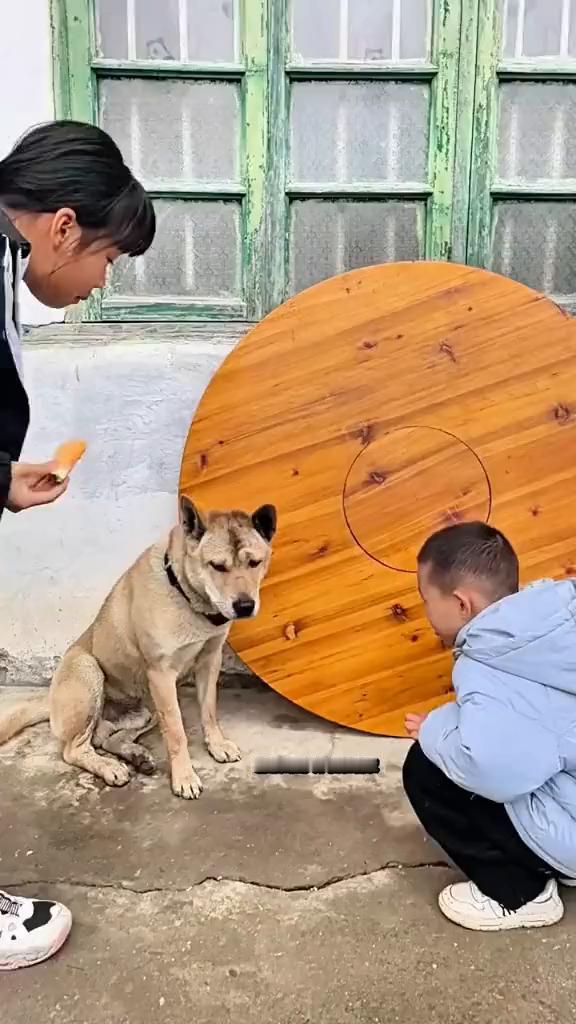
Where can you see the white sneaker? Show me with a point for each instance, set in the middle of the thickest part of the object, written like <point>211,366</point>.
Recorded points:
<point>465,905</point>
<point>30,930</point>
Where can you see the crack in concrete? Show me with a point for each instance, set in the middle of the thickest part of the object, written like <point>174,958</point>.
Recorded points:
<point>250,883</point>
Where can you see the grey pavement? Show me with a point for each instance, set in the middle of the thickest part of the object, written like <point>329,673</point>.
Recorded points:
<point>270,900</point>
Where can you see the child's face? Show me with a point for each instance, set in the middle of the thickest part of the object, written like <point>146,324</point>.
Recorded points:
<point>446,612</point>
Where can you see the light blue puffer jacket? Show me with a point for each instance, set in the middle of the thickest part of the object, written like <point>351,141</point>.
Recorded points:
<point>511,735</point>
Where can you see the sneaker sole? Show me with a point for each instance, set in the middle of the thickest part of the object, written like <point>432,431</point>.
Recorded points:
<point>30,960</point>
<point>507,923</point>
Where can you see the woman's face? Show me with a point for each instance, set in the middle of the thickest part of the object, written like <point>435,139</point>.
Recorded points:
<point>65,266</point>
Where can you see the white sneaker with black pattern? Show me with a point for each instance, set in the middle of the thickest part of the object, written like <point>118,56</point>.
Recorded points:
<point>465,905</point>
<point>30,930</point>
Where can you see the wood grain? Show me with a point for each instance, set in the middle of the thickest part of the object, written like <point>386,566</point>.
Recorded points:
<point>373,409</point>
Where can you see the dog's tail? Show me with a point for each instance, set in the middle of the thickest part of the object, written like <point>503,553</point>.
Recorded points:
<point>22,715</point>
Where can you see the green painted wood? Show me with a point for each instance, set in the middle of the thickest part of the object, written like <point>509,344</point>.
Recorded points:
<point>442,135</point>
<point>254,152</point>
<point>548,70</point>
<point>197,190</point>
<point>178,309</point>
<point>74,91</point>
<point>484,137</point>
<point>359,190</point>
<point>166,69</point>
<point>275,282</point>
<point>422,71</point>
<point>464,129</point>
<point>564,188</point>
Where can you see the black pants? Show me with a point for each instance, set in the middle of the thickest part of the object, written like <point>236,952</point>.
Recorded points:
<point>476,833</point>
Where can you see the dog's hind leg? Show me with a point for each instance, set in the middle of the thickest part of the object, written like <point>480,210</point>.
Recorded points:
<point>76,702</point>
<point>120,737</point>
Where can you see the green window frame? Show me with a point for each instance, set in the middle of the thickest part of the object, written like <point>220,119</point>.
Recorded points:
<point>490,192</point>
<point>77,74</point>
<point>459,196</point>
<point>266,75</point>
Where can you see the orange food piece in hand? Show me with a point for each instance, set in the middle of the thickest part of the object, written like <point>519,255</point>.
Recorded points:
<point>66,456</point>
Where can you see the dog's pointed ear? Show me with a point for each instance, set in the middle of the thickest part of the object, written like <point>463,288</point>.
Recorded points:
<point>264,521</point>
<point>191,519</point>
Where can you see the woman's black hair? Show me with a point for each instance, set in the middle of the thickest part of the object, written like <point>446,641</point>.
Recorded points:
<point>75,165</point>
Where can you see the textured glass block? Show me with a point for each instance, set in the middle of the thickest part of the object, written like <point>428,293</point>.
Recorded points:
<point>180,131</point>
<point>329,237</point>
<point>362,30</point>
<point>196,253</point>
<point>538,28</point>
<point>537,131</point>
<point>211,30</point>
<point>535,243</point>
<point>111,29</point>
<point>349,132</point>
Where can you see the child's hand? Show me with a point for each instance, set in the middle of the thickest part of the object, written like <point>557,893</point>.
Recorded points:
<point>412,723</point>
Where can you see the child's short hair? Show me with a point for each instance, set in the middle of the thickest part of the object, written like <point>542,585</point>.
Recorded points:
<point>471,550</point>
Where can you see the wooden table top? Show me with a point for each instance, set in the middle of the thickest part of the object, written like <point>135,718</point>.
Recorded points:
<point>372,409</point>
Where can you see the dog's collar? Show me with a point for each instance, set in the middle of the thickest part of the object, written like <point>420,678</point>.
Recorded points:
<point>214,618</point>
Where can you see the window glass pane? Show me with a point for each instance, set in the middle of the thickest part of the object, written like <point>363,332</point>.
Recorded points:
<point>211,30</point>
<point>193,30</point>
<point>111,29</point>
<point>362,30</point>
<point>328,237</point>
<point>537,133</point>
<point>180,131</point>
<point>535,243</point>
<point>349,132</point>
<point>315,29</point>
<point>538,28</point>
<point>157,30</point>
<point>196,253</point>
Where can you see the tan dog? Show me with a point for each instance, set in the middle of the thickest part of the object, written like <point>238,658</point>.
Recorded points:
<point>169,614</point>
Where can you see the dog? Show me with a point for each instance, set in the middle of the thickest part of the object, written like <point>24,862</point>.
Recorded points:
<point>168,615</point>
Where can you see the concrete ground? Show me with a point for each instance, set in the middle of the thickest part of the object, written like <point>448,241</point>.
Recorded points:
<point>270,900</point>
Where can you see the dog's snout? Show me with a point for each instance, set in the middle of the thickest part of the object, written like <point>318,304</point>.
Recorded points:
<point>244,607</point>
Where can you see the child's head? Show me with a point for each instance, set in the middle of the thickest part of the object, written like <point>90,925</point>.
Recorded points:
<point>461,570</point>
<point>68,191</point>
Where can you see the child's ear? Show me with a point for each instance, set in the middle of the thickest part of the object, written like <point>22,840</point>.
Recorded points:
<point>464,604</point>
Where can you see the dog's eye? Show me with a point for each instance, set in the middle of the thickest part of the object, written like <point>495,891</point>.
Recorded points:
<point>254,563</point>
<point>218,567</point>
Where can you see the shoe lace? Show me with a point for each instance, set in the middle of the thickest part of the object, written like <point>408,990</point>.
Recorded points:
<point>8,906</point>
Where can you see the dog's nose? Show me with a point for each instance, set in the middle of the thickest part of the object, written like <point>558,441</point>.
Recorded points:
<point>244,607</point>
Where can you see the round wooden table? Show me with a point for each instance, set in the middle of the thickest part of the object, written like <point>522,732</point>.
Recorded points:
<point>373,409</point>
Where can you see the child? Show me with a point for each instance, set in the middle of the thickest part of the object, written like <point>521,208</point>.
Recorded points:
<point>492,777</point>
<point>69,207</point>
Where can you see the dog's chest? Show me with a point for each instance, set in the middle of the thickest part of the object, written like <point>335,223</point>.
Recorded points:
<point>184,657</point>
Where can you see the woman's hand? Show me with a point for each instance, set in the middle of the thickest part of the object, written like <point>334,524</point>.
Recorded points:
<point>412,724</point>
<point>33,485</point>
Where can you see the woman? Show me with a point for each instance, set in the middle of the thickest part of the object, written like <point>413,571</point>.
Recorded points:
<point>69,207</point>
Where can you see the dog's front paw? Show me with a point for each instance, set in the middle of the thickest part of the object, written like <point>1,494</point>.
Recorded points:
<point>223,750</point>
<point>188,786</point>
<point>114,772</point>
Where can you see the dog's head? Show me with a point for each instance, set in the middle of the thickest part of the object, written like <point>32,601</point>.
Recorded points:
<point>227,555</point>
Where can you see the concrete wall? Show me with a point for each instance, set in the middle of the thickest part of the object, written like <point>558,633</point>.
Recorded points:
<point>26,90</point>
<point>131,392</point>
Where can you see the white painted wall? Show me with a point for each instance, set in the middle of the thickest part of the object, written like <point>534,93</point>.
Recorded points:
<point>26,90</point>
